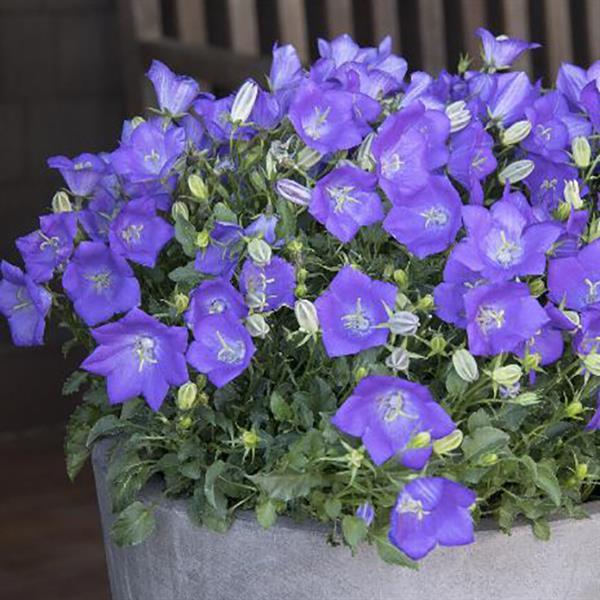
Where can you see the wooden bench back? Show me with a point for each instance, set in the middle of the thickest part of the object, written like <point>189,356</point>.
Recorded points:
<point>222,42</point>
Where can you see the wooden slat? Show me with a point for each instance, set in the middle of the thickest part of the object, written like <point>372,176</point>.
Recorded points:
<point>147,17</point>
<point>473,15</point>
<point>222,67</point>
<point>559,45</point>
<point>516,24</point>
<point>593,29</point>
<point>191,21</point>
<point>292,26</point>
<point>385,22</point>
<point>243,25</point>
<point>433,39</point>
<point>339,17</point>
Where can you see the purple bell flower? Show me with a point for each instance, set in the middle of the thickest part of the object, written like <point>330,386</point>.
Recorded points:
<point>100,212</point>
<point>387,413</point>
<point>286,68</point>
<point>138,233</point>
<point>350,311</point>
<point>214,297</point>
<point>264,227</point>
<point>548,343</point>
<point>81,173</point>
<point>431,511</point>
<point>268,287</point>
<point>500,317</point>
<point>366,512</point>
<point>594,422</point>
<point>499,52</point>
<point>175,93</point>
<point>221,255</point>
<point>427,221</point>
<point>222,350</point>
<point>511,94</point>
<point>100,283</point>
<point>587,337</point>
<point>345,200</point>
<point>139,355</point>
<point>25,304</point>
<point>50,246</point>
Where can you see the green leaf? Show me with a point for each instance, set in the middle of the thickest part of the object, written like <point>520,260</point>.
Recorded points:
<point>354,530</point>
<point>185,234</point>
<point>547,481</point>
<point>107,425</point>
<point>286,486</point>
<point>133,525</point>
<point>186,275</point>
<point>391,555</point>
<point>76,450</point>
<point>215,498</point>
<point>333,508</point>
<point>222,212</point>
<point>281,410</point>
<point>455,385</point>
<point>286,226</point>
<point>74,382</point>
<point>483,440</point>
<point>541,529</point>
<point>266,513</point>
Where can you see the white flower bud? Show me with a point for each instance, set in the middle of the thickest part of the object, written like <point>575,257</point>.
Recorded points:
<point>260,252</point>
<point>403,323</point>
<point>398,360</point>
<point>307,158</point>
<point>459,115</point>
<point>243,103</point>
<point>198,187</point>
<point>465,365</point>
<point>257,326</point>
<point>293,191</point>
<point>507,376</point>
<point>61,203</point>
<point>516,171</point>
<point>364,156</point>
<point>448,443</point>
<point>307,317</point>
<point>180,209</point>
<point>187,395</point>
<point>572,194</point>
<point>582,152</point>
<point>516,133</point>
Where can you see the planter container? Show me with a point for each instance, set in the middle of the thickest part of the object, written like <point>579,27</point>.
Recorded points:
<point>293,561</point>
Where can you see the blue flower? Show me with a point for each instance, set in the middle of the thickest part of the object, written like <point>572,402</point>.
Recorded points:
<point>268,287</point>
<point>500,52</point>
<point>100,283</point>
<point>25,304</point>
<point>175,93</point>
<point>345,200</point>
<point>350,311</point>
<point>222,349</point>
<point>81,173</point>
<point>431,511</point>
<point>387,413</point>
<point>138,355</point>
<point>366,512</point>
<point>221,255</point>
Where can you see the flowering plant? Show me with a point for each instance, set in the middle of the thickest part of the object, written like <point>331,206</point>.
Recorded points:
<point>351,296</point>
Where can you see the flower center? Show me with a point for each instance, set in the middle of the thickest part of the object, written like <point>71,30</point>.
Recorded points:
<point>391,164</point>
<point>478,160</point>
<point>489,317</point>
<point>357,322</point>
<point>23,299</point>
<point>411,506</point>
<point>392,407</point>
<point>509,252</point>
<point>100,281</point>
<point>83,165</point>
<point>435,217</point>
<point>549,184</point>
<point>145,351</point>
<point>132,234</point>
<point>544,132</point>
<point>592,293</point>
<point>340,195</point>
<point>231,352</point>
<point>315,123</point>
<point>152,157</point>
<point>217,306</point>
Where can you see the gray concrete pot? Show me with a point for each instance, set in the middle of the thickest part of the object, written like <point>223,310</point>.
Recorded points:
<point>294,562</point>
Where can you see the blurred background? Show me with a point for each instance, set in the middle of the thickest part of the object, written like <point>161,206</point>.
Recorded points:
<point>70,72</point>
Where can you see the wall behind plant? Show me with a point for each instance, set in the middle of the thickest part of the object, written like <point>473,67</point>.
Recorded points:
<point>60,93</point>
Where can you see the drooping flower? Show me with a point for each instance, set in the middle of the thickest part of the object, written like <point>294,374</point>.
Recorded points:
<point>270,286</point>
<point>175,93</point>
<point>499,52</point>
<point>575,280</point>
<point>350,311</point>
<point>510,94</point>
<point>25,305</point>
<point>427,221</point>
<point>502,243</point>
<point>387,413</point>
<point>345,200</point>
<point>547,343</point>
<point>50,246</point>
<point>138,233</point>
<point>331,119</point>
<point>366,512</point>
<point>100,283</point>
<point>431,511</point>
<point>149,153</point>
<point>81,173</point>
<point>222,349</point>
<point>139,355</point>
<point>214,297</point>
<point>221,255</point>
<point>264,227</point>
<point>501,316</point>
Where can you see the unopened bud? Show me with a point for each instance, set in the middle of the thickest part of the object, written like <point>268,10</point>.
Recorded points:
<point>573,409</point>
<point>187,396</point>
<point>488,460</point>
<point>459,115</point>
<point>448,443</point>
<point>537,287</point>
<point>437,344</point>
<point>250,439</point>
<point>562,211</point>
<point>355,458</point>
<point>507,376</point>
<point>426,303</point>
<point>361,373</point>
<point>403,323</point>
<point>61,203</point>
<point>582,152</point>
<point>301,290</point>
<point>181,302</point>
<point>257,326</point>
<point>307,158</point>
<point>258,181</point>
<point>398,360</point>
<point>185,422</point>
<point>581,471</point>
<point>180,210</point>
<point>421,440</point>
<point>465,365</point>
<point>198,187</point>
<point>401,278</point>
<point>516,171</point>
<point>364,155</point>
<point>293,191</point>
<point>243,103</point>
<point>202,239</point>
<point>260,252</point>
<point>295,247</point>
<point>516,133</point>
<point>531,361</point>
<point>307,317</point>
<point>572,194</point>
<point>591,363</point>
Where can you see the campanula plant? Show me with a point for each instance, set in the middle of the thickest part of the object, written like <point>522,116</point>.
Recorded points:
<point>346,293</point>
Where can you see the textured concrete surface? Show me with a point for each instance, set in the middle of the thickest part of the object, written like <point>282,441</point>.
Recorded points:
<point>294,562</point>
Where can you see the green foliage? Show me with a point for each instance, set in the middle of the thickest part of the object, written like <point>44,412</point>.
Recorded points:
<point>133,525</point>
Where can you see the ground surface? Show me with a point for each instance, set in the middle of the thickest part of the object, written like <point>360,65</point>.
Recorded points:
<point>50,539</point>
